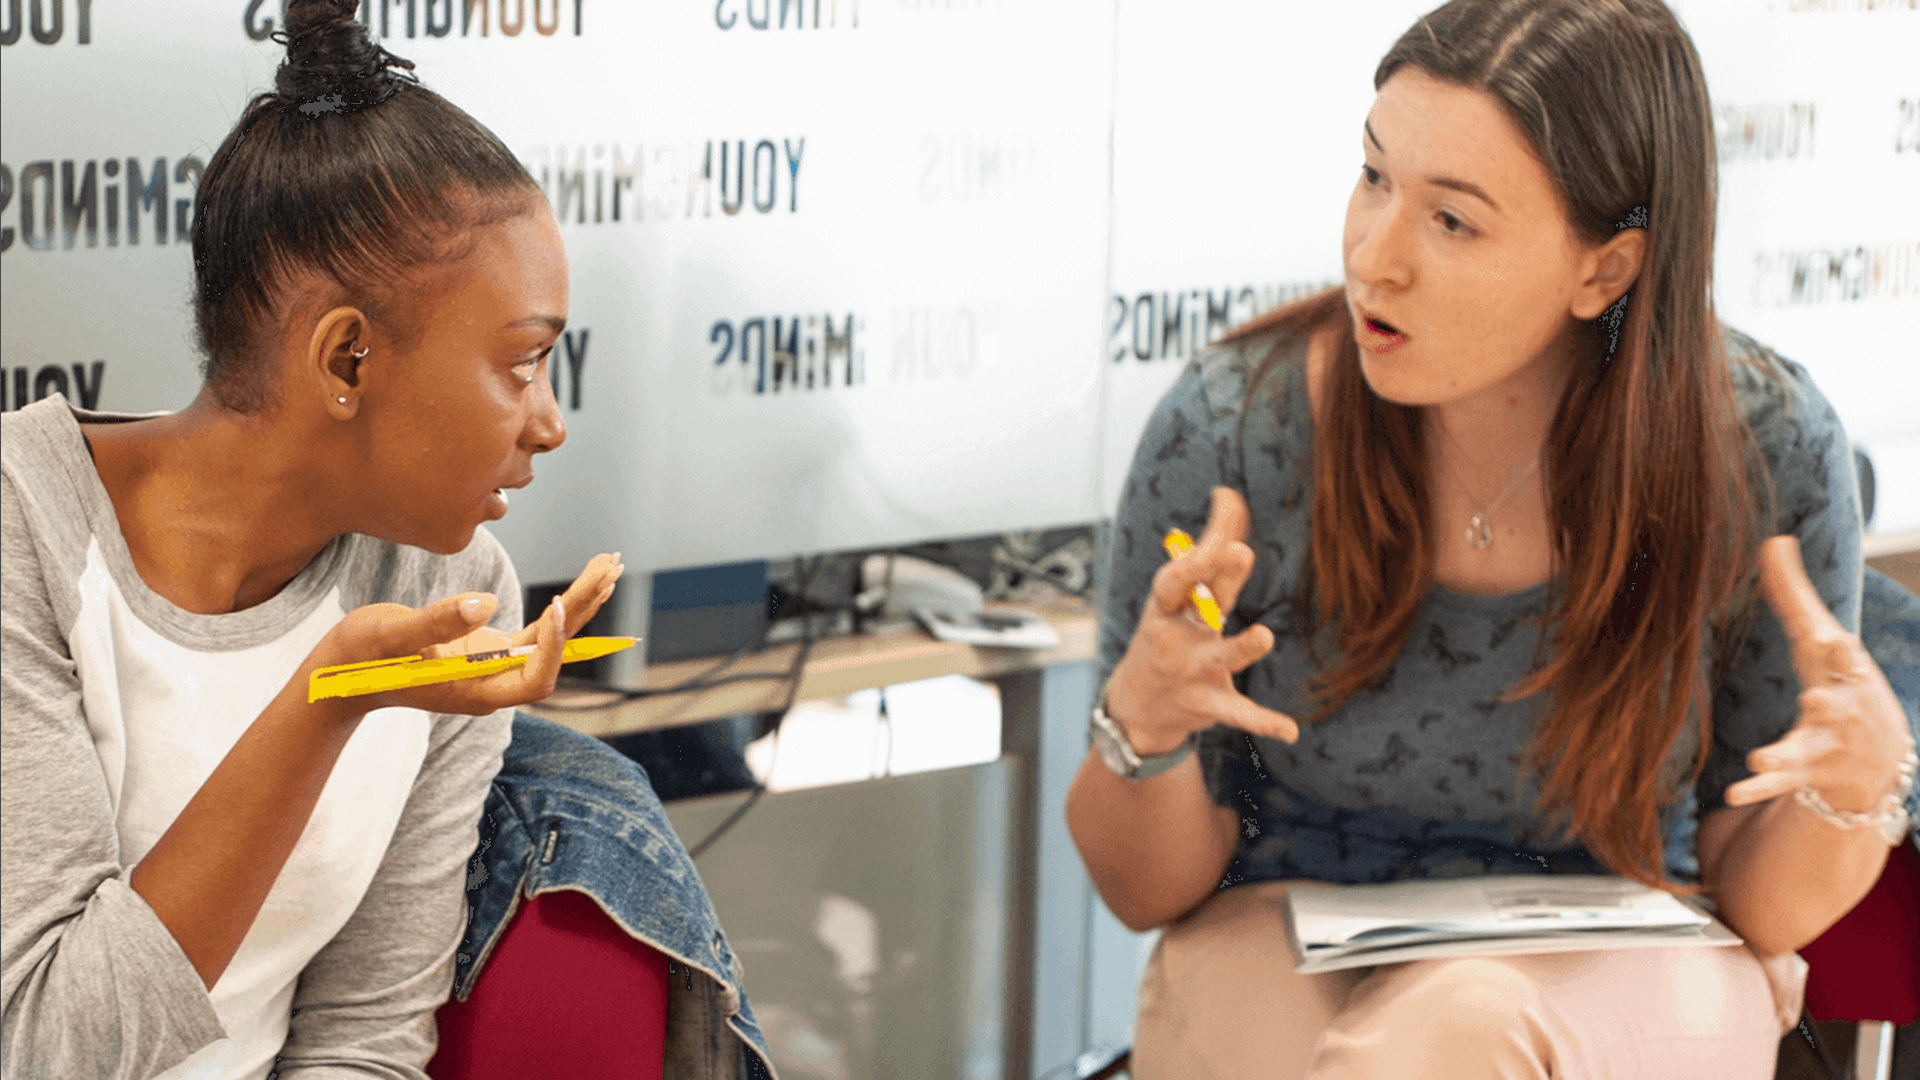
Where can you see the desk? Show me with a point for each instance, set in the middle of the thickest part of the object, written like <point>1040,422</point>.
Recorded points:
<point>836,667</point>
<point>1896,555</point>
<point>1045,698</point>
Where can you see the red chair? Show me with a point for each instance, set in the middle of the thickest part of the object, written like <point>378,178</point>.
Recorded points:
<point>1866,968</point>
<point>566,995</point>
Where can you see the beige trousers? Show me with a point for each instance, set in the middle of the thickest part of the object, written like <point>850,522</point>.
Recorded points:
<point>1221,1001</point>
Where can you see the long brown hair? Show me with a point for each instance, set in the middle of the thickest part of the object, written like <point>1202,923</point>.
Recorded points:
<point>1657,497</point>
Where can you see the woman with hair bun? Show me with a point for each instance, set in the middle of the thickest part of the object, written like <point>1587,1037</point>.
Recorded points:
<point>1487,522</point>
<point>203,872</point>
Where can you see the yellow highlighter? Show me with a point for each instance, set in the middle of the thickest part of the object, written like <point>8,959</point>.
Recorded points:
<point>1178,543</point>
<point>377,676</point>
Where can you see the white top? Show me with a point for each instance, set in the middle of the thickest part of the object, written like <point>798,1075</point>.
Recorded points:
<point>117,706</point>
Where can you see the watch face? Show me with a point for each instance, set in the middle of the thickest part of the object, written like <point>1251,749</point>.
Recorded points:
<point>1116,760</point>
<point>1112,752</point>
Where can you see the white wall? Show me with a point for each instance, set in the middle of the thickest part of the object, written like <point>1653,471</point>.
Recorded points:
<point>1008,203</point>
<point>1237,140</point>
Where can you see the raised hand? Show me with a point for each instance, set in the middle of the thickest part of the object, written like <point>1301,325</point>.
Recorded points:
<point>1177,674</point>
<point>582,599</point>
<point>379,631</point>
<point>1851,734</point>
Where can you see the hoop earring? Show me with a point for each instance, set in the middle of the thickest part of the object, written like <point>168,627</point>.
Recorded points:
<point>361,354</point>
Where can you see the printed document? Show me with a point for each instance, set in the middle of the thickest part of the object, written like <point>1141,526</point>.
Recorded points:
<point>1331,927</point>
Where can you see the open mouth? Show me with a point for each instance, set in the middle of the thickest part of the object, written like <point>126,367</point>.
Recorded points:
<point>1381,326</point>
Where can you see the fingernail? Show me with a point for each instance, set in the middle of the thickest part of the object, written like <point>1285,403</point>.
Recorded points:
<point>473,607</point>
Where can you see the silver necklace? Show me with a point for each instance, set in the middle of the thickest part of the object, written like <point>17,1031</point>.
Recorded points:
<point>1480,525</point>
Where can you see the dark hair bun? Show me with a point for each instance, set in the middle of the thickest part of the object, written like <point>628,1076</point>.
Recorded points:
<point>332,65</point>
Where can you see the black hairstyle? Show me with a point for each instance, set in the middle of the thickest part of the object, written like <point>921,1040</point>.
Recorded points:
<point>348,167</point>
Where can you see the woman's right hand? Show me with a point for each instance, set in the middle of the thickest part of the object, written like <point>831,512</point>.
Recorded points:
<point>1177,675</point>
<point>380,631</point>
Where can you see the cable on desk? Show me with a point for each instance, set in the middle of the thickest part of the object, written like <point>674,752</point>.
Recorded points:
<point>629,694</point>
<point>711,677</point>
<point>795,673</point>
<point>702,681</point>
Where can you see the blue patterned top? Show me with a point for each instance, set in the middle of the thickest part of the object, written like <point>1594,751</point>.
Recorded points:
<point>1419,776</point>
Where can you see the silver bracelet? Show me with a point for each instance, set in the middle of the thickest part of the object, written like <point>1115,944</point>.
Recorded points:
<point>1889,808</point>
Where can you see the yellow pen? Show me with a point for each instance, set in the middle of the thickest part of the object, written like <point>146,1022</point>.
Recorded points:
<point>1178,543</point>
<point>376,676</point>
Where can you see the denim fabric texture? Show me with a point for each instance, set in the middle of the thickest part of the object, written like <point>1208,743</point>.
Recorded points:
<point>569,812</point>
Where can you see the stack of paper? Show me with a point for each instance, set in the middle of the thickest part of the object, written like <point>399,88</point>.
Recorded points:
<point>1341,926</point>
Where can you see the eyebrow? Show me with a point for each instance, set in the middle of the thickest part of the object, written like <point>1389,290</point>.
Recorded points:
<point>1466,187</point>
<point>553,322</point>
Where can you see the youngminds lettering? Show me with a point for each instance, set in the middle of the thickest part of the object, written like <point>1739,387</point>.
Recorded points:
<point>771,355</point>
<point>942,344</point>
<point>1906,133</point>
<point>440,18</point>
<point>1793,278</point>
<point>61,205</point>
<point>1173,325</point>
<point>1765,132</point>
<point>46,21</point>
<point>761,14</point>
<point>22,386</point>
<point>608,183</point>
<point>983,166</point>
<point>574,348</point>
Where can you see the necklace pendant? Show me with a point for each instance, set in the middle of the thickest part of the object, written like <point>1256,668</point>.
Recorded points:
<point>1479,531</point>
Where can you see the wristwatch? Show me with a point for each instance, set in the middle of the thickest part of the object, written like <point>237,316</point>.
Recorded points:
<point>1120,755</point>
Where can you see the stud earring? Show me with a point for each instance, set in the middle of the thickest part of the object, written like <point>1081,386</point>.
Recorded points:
<point>343,401</point>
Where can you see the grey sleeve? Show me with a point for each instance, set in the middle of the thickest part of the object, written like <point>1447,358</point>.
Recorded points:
<point>1182,455</point>
<point>1811,461</point>
<point>94,984</point>
<point>365,1004</point>
<point>1175,469</point>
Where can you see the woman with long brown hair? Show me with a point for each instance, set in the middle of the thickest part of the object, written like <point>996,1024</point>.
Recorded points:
<point>1488,522</point>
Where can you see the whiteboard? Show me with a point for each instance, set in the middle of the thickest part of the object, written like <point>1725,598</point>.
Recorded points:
<point>850,275</point>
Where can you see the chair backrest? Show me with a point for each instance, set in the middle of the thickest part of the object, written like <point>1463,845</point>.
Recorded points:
<point>1867,965</point>
<point>566,993</point>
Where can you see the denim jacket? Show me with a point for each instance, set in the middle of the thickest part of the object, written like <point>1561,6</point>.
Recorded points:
<point>569,812</point>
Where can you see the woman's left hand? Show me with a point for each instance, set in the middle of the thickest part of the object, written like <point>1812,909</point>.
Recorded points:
<point>582,599</point>
<point>1851,734</point>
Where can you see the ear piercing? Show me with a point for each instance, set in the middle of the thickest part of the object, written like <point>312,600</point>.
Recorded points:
<point>357,354</point>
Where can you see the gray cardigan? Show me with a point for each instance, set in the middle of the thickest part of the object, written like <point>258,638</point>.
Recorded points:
<point>92,982</point>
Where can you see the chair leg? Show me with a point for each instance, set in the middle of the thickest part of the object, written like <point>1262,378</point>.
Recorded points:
<point>1873,1052</point>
